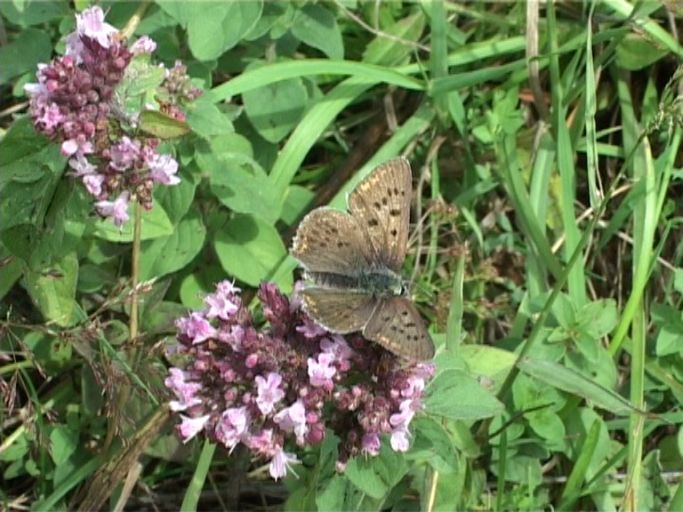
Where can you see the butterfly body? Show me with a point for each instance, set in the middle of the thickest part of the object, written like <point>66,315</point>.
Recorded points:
<point>376,283</point>
<point>353,261</point>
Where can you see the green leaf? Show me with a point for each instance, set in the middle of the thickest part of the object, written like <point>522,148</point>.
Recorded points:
<point>160,125</point>
<point>316,26</point>
<point>155,224</point>
<point>275,109</point>
<point>454,394</point>
<point>51,352</point>
<point>212,31</point>
<point>140,80</point>
<point>549,427</point>
<point>164,255</point>
<point>636,51</point>
<point>26,156</point>
<point>576,383</point>
<point>207,120</point>
<point>296,203</point>
<point>678,279</point>
<point>486,360</point>
<point>522,469</point>
<point>433,444</point>
<point>250,249</point>
<point>27,13</point>
<point>333,493</point>
<point>192,289</point>
<point>176,200</point>
<point>376,476</point>
<point>391,52</point>
<point>240,184</point>
<point>598,318</point>
<point>31,47</point>
<point>669,341</point>
<point>10,271</point>
<point>63,443</point>
<point>31,166</point>
<point>53,290</point>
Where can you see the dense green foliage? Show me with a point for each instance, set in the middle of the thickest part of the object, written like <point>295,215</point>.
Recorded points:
<point>545,252</point>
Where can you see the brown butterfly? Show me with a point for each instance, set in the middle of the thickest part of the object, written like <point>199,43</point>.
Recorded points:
<point>354,260</point>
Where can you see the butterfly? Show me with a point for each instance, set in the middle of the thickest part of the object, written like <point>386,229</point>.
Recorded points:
<point>353,260</point>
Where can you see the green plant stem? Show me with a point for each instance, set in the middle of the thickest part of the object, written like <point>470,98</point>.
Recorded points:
<point>124,393</point>
<point>135,277</point>
<point>637,420</point>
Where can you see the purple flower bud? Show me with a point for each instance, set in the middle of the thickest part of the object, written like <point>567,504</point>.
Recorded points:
<point>143,45</point>
<point>251,360</point>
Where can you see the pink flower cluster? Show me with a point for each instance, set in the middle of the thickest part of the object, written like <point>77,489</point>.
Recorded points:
<point>283,386</point>
<point>75,103</point>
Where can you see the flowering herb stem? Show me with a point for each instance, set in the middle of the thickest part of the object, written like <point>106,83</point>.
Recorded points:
<point>133,325</point>
<point>135,275</point>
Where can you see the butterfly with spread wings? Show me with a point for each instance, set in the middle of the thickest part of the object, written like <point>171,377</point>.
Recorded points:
<point>354,259</point>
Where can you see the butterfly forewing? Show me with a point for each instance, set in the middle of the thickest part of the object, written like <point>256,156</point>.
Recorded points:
<point>339,311</point>
<point>397,326</point>
<point>381,206</point>
<point>329,241</point>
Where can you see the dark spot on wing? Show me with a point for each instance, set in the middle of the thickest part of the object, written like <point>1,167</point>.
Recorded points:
<point>394,212</point>
<point>377,205</point>
<point>385,201</point>
<point>394,232</point>
<point>372,223</point>
<point>395,191</point>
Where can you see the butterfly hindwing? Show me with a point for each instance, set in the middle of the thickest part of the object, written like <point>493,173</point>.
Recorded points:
<point>381,206</point>
<point>397,326</point>
<point>339,311</point>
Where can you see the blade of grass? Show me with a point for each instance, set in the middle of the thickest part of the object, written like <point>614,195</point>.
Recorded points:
<point>572,489</point>
<point>455,311</point>
<point>502,467</point>
<point>277,71</point>
<point>644,228</point>
<point>576,284</point>
<point>629,11</point>
<point>591,108</point>
<point>540,194</point>
<point>194,490</point>
<point>311,127</point>
<point>574,382</point>
<point>516,189</point>
<point>438,58</point>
